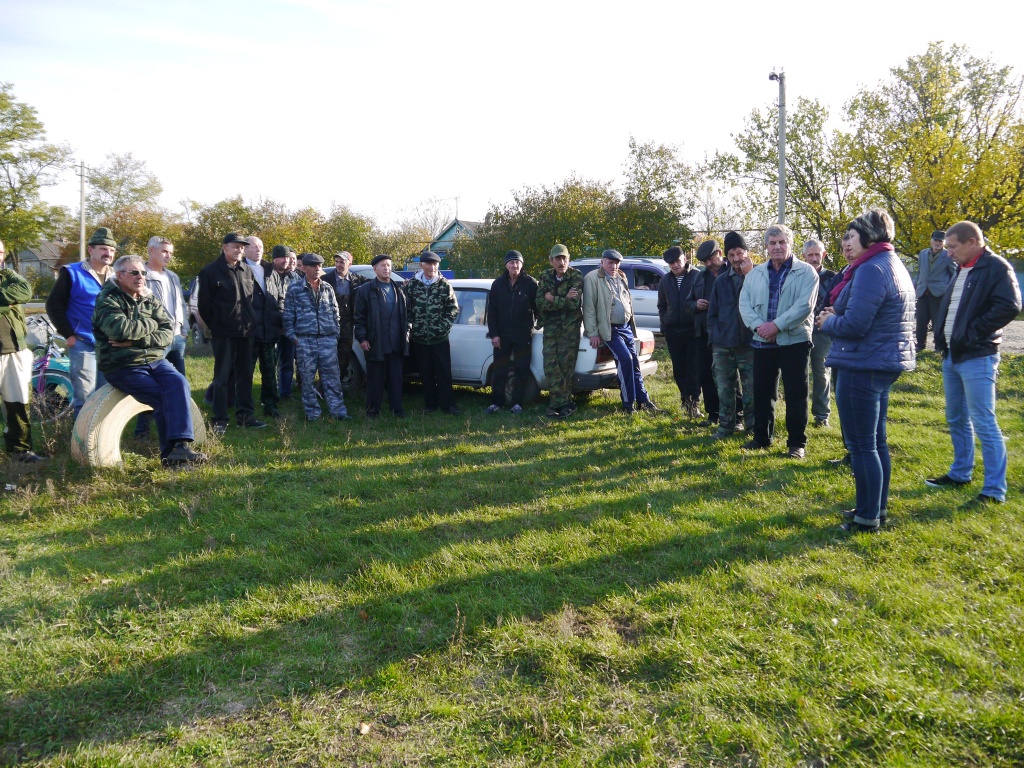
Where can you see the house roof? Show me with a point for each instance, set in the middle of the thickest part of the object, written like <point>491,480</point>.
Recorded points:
<point>46,252</point>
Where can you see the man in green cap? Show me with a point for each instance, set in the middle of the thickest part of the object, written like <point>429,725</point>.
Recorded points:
<point>559,313</point>
<point>15,363</point>
<point>70,306</point>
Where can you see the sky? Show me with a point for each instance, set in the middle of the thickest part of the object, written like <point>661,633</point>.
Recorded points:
<point>391,105</point>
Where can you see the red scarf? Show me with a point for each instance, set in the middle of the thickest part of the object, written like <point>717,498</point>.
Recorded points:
<point>874,250</point>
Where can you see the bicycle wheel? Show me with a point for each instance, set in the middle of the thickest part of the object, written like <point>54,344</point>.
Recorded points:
<point>54,402</point>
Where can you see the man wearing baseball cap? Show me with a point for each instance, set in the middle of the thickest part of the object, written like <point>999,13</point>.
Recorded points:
<point>559,313</point>
<point>344,282</point>
<point>226,291</point>
<point>70,306</point>
<point>935,269</point>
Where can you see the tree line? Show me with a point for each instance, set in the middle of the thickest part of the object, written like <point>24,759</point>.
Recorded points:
<point>942,139</point>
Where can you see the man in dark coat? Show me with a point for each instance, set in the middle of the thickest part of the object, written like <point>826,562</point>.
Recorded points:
<point>511,315</point>
<point>697,303</point>
<point>226,291</point>
<point>982,298</point>
<point>678,328</point>
<point>381,326</point>
<point>344,282</point>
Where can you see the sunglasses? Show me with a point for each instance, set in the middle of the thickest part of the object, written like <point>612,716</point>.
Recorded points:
<point>133,272</point>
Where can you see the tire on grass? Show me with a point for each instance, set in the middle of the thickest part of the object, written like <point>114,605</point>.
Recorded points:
<point>530,392</point>
<point>96,438</point>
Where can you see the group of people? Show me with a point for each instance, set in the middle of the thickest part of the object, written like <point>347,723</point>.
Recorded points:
<point>733,330</point>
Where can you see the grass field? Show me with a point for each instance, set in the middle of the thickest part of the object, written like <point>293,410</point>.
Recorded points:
<point>506,591</point>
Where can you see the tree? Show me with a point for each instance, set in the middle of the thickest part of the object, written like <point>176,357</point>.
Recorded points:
<point>942,141</point>
<point>574,213</point>
<point>649,216</point>
<point>122,182</point>
<point>823,194</point>
<point>27,164</point>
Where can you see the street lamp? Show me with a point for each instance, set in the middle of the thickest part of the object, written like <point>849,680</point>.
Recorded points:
<point>781,77</point>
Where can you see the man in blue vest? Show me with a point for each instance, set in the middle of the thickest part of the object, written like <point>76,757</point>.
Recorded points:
<point>70,306</point>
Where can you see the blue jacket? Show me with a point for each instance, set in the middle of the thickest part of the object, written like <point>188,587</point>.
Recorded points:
<point>873,327</point>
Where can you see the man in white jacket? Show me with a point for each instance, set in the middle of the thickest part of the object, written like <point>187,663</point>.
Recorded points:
<point>776,303</point>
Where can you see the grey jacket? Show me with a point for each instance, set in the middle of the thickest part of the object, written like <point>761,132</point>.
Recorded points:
<point>934,271</point>
<point>310,314</point>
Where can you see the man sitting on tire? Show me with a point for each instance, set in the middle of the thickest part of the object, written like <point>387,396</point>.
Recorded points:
<point>132,332</point>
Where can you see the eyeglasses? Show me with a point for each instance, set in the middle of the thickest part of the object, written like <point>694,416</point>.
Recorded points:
<point>134,272</point>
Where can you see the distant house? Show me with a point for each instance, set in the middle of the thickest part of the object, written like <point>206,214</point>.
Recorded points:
<point>442,244</point>
<point>41,260</point>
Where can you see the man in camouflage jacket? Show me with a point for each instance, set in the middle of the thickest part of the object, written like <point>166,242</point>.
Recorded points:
<point>559,302</point>
<point>311,322</point>
<point>432,312</point>
<point>132,332</point>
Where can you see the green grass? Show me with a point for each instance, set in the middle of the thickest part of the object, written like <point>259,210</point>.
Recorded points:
<point>512,592</point>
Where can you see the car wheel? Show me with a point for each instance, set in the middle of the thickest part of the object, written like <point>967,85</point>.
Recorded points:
<point>530,392</point>
<point>198,337</point>
<point>353,381</point>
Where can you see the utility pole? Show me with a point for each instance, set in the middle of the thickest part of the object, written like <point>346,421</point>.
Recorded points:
<point>81,216</point>
<point>781,77</point>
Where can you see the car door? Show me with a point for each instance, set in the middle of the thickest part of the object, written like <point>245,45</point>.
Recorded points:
<point>471,349</point>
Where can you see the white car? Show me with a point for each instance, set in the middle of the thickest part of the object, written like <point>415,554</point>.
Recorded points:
<point>473,355</point>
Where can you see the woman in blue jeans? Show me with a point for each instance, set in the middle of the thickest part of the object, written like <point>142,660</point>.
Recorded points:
<point>871,322</point>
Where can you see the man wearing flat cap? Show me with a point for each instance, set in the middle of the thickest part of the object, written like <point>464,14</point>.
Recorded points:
<point>432,312</point>
<point>344,282</point>
<point>70,305</point>
<point>935,269</point>
<point>311,322</point>
<point>559,313</point>
<point>511,314</point>
<point>608,319</point>
<point>697,303</point>
<point>226,294</point>
<point>677,326</point>
<point>381,326</point>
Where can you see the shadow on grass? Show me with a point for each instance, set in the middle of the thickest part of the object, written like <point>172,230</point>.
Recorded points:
<point>348,507</point>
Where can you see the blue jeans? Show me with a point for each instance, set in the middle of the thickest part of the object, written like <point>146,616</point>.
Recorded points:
<point>85,377</point>
<point>862,398</point>
<point>175,355</point>
<point>971,410</point>
<point>167,392</point>
<point>631,381</point>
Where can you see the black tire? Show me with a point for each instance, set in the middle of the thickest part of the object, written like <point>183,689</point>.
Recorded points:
<point>354,381</point>
<point>530,392</point>
<point>198,337</point>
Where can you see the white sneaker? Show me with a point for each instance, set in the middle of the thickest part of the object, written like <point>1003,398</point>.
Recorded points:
<point>517,409</point>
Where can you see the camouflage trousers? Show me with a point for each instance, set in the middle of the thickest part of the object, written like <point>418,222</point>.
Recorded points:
<point>313,353</point>
<point>560,350</point>
<point>733,366</point>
